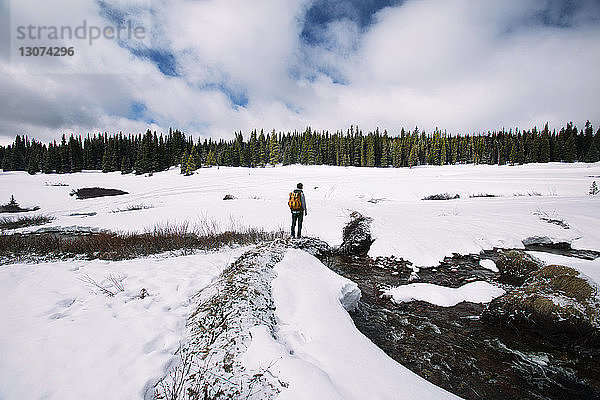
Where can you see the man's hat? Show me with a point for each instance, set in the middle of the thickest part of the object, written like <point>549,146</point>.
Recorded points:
<point>299,186</point>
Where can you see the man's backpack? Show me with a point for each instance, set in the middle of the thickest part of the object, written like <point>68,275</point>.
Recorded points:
<point>295,201</point>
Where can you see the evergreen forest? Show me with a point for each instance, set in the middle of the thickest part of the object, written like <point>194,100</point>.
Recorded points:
<point>152,152</point>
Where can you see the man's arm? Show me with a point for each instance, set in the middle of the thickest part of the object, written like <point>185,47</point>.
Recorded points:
<point>304,204</point>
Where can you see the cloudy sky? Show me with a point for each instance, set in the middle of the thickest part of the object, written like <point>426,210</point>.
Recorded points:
<point>212,67</point>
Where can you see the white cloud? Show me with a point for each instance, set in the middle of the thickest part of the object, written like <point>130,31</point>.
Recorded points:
<point>471,66</point>
<point>462,65</point>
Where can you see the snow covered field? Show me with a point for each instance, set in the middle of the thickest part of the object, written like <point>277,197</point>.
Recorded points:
<point>61,339</point>
<point>403,224</point>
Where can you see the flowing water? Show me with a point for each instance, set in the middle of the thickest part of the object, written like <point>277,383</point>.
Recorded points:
<point>453,348</point>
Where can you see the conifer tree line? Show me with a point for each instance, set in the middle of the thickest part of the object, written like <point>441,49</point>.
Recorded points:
<point>152,152</point>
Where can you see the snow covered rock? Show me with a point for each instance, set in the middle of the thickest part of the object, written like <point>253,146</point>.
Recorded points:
<point>357,235</point>
<point>555,299</point>
<point>314,247</point>
<point>515,266</point>
<point>546,242</point>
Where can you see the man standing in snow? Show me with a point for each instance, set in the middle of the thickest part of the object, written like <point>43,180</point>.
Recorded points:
<point>297,205</point>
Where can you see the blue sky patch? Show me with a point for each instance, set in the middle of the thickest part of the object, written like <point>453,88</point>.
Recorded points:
<point>112,14</point>
<point>322,12</point>
<point>163,59</point>
<point>137,110</point>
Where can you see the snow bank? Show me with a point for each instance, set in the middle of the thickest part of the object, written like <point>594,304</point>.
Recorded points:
<point>62,339</point>
<point>474,292</point>
<point>318,352</point>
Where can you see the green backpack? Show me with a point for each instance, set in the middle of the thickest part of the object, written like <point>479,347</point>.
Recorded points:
<point>295,201</point>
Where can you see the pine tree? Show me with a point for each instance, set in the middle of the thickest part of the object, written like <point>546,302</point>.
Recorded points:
<point>32,166</point>
<point>183,163</point>
<point>253,144</point>
<point>443,155</point>
<point>570,151</point>
<point>211,159</point>
<point>370,152</point>
<point>545,147</point>
<point>125,165</point>
<point>592,154</point>
<point>514,154</point>
<point>273,149</point>
<point>386,151</point>
<point>196,158</point>
<point>287,155</point>
<point>413,158</point>
<point>107,160</point>
<point>593,189</point>
<point>190,165</point>
<point>521,153</point>
<point>14,205</point>
<point>262,154</point>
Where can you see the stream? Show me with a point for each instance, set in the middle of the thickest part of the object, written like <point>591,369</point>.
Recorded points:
<point>452,348</point>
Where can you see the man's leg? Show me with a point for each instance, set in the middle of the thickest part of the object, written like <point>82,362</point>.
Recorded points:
<point>300,218</point>
<point>294,225</point>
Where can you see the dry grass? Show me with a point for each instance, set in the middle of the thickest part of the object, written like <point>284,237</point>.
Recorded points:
<point>22,222</point>
<point>555,299</point>
<point>567,280</point>
<point>543,306</point>
<point>118,246</point>
<point>133,207</point>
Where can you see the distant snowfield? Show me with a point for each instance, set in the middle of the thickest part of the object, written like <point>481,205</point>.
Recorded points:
<point>60,339</point>
<point>423,232</point>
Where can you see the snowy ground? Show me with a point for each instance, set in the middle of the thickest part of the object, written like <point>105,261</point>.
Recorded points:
<point>60,339</point>
<point>403,224</point>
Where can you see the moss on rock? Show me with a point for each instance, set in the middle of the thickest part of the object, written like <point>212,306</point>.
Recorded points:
<point>554,300</point>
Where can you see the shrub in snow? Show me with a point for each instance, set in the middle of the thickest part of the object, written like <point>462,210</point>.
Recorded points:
<point>515,266</point>
<point>89,193</point>
<point>442,196</point>
<point>13,202</point>
<point>357,235</point>
<point>13,207</point>
<point>229,197</point>
<point>593,189</point>
<point>552,218</point>
<point>110,286</point>
<point>555,299</point>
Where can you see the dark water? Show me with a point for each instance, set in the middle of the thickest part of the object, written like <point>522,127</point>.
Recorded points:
<point>453,348</point>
